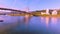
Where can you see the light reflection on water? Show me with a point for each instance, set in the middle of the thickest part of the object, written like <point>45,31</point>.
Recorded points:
<point>50,25</point>
<point>47,21</point>
<point>54,20</point>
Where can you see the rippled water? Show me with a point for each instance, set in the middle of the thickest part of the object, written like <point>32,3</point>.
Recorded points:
<point>29,25</point>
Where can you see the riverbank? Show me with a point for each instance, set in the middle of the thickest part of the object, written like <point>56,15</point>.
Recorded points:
<point>34,15</point>
<point>40,15</point>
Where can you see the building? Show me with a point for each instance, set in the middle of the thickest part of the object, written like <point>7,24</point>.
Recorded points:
<point>43,12</point>
<point>54,12</point>
<point>47,11</point>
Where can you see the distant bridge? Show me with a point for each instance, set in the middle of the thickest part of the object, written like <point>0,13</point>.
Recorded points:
<point>12,10</point>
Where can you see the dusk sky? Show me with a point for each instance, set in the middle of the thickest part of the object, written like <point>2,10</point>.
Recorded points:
<point>32,4</point>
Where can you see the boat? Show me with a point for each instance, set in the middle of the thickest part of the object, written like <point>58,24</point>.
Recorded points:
<point>1,20</point>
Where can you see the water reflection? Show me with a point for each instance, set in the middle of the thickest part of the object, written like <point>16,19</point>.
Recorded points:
<point>26,19</point>
<point>42,18</point>
<point>54,20</point>
<point>47,21</point>
<point>29,24</point>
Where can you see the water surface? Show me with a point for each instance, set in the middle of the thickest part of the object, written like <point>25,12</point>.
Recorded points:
<point>29,25</point>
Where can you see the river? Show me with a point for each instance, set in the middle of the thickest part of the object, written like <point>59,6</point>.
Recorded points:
<point>29,25</point>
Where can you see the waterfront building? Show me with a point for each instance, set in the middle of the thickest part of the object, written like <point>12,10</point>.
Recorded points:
<point>43,12</point>
<point>47,11</point>
<point>54,12</point>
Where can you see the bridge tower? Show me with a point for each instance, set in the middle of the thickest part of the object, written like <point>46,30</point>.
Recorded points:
<point>27,9</point>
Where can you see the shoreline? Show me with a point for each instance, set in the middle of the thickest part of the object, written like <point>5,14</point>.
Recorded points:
<point>40,15</point>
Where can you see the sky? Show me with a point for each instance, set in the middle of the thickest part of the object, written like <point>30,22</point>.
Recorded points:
<point>32,4</point>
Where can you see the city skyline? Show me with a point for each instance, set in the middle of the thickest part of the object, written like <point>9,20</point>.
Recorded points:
<point>32,4</point>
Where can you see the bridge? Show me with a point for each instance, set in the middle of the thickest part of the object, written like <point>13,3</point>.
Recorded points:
<point>12,10</point>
